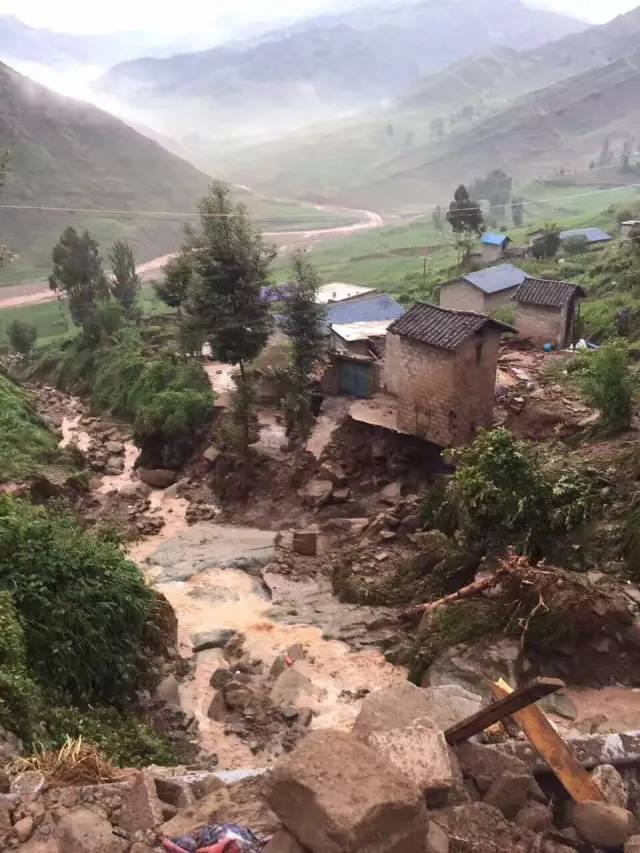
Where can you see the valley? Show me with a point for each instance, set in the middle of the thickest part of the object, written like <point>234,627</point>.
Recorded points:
<point>319,428</point>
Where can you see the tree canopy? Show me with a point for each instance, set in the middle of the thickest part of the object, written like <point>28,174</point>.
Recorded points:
<point>78,274</point>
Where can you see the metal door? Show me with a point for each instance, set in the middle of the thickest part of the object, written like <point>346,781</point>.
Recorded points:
<point>355,379</point>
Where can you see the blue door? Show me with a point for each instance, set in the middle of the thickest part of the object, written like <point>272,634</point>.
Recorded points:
<point>355,379</point>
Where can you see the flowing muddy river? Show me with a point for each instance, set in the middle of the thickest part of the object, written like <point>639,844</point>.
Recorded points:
<point>212,575</point>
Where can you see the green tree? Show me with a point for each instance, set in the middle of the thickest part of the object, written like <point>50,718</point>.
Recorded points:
<point>125,282</point>
<point>78,275</point>
<point>22,336</point>
<point>496,188</point>
<point>608,385</point>
<point>173,290</point>
<point>517,212</point>
<point>231,265</point>
<point>466,220</point>
<point>548,243</point>
<point>437,218</point>
<point>575,245</point>
<point>302,318</point>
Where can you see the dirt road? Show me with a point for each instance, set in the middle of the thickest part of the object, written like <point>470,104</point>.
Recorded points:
<point>37,292</point>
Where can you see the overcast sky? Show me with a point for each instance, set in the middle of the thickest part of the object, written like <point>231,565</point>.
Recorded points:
<point>193,15</point>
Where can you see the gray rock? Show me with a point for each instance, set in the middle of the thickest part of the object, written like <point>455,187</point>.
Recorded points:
<point>611,784</point>
<point>291,688</point>
<point>215,639</point>
<point>168,691</point>
<point>10,746</point>
<point>437,839</point>
<point>336,795</point>
<point>561,704</point>
<point>509,793</point>
<point>238,696</point>
<point>392,708</point>
<point>141,808</point>
<point>211,453</point>
<point>450,704</point>
<point>83,830</point>
<point>601,824</point>
<point>487,764</point>
<point>29,783</point>
<point>419,752</point>
<point>472,665</point>
<point>114,448</point>
<point>157,478</point>
<point>535,816</point>
<point>317,493</point>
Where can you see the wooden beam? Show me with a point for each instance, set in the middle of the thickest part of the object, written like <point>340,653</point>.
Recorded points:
<point>558,755</point>
<point>505,707</point>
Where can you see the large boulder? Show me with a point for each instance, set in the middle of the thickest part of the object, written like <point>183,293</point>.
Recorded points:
<point>336,795</point>
<point>215,639</point>
<point>486,764</point>
<point>601,824</point>
<point>450,704</point>
<point>472,665</point>
<point>83,830</point>
<point>291,688</point>
<point>317,493</point>
<point>141,808</point>
<point>480,827</point>
<point>510,793</point>
<point>391,708</point>
<point>420,753</point>
<point>611,784</point>
<point>157,478</point>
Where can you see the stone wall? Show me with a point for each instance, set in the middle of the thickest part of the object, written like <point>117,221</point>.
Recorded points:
<point>443,396</point>
<point>541,323</point>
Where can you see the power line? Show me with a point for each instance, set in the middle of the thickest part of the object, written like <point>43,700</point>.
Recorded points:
<point>180,215</point>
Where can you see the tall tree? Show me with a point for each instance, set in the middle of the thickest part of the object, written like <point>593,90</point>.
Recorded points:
<point>302,318</point>
<point>496,188</point>
<point>466,220</point>
<point>548,243</point>
<point>173,290</point>
<point>437,218</point>
<point>125,282</point>
<point>517,212</point>
<point>78,275</point>
<point>231,265</point>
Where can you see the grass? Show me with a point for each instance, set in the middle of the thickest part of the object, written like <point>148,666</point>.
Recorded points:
<point>25,442</point>
<point>74,763</point>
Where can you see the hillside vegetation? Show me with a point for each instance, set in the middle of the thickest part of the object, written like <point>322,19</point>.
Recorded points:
<point>25,441</point>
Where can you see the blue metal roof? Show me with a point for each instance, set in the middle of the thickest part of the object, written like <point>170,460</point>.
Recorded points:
<point>363,309</point>
<point>495,279</point>
<point>491,239</point>
<point>593,235</point>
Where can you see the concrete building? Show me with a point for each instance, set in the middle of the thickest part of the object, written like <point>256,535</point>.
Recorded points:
<point>440,365</point>
<point>493,246</point>
<point>482,291</point>
<point>630,230</point>
<point>547,311</point>
<point>592,236</point>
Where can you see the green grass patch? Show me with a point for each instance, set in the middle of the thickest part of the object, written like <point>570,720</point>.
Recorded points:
<point>25,442</point>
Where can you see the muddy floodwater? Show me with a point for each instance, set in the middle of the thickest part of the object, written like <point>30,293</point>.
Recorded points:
<point>212,574</point>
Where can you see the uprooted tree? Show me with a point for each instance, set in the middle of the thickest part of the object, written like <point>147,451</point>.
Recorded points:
<point>231,265</point>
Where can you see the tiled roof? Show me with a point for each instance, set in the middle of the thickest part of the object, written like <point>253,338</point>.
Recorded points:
<point>495,279</point>
<point>539,291</point>
<point>491,239</point>
<point>442,327</point>
<point>592,235</point>
<point>368,308</point>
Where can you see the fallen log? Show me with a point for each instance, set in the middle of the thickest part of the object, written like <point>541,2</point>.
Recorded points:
<point>505,707</point>
<point>464,592</point>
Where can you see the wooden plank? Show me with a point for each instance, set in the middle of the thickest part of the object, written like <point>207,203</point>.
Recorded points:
<point>558,755</point>
<point>502,708</point>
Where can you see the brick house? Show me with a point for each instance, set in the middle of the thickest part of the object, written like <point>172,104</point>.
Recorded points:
<point>493,246</point>
<point>547,311</point>
<point>441,367</point>
<point>482,291</point>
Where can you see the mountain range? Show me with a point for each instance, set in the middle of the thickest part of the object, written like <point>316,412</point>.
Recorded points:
<point>69,154</point>
<point>326,65</point>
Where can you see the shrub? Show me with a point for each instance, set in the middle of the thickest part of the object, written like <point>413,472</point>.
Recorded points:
<point>82,603</point>
<point>22,336</point>
<point>609,387</point>
<point>25,442</point>
<point>19,695</point>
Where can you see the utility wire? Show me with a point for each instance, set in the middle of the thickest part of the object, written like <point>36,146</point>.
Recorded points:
<point>180,215</point>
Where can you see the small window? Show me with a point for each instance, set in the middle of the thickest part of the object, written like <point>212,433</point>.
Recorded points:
<point>478,352</point>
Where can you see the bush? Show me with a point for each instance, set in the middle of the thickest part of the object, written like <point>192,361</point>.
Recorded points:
<point>609,387</point>
<point>82,603</point>
<point>25,442</point>
<point>505,314</point>
<point>22,336</point>
<point>19,695</point>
